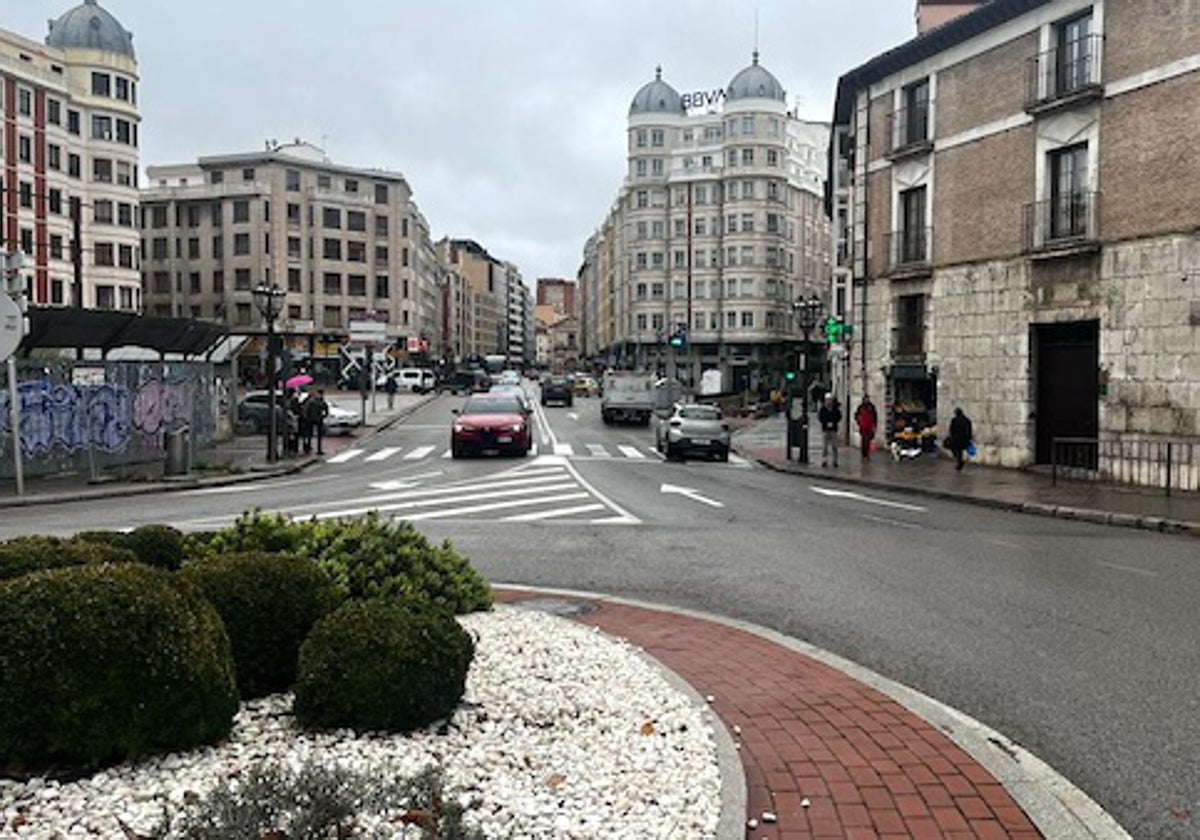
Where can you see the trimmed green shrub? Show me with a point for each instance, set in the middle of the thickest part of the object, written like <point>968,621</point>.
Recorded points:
<point>108,662</point>
<point>253,530</point>
<point>158,545</point>
<point>22,555</point>
<point>370,557</point>
<point>268,603</point>
<point>382,664</point>
<point>365,557</point>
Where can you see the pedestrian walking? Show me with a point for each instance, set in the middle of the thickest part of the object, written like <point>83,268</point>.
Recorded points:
<point>390,387</point>
<point>830,417</point>
<point>305,425</point>
<point>867,420</point>
<point>960,437</point>
<point>316,410</point>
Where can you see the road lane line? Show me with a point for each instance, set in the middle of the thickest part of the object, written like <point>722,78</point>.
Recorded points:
<point>484,508</point>
<point>343,456</point>
<point>382,454</point>
<point>1134,569</point>
<point>887,521</point>
<point>870,500</point>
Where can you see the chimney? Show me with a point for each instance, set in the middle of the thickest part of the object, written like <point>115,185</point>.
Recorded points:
<point>933,13</point>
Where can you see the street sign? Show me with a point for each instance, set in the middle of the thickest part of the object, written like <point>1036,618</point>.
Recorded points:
<point>368,332</point>
<point>12,326</point>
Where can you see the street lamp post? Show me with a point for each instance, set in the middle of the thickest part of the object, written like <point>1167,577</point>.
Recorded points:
<point>807,311</point>
<point>269,300</point>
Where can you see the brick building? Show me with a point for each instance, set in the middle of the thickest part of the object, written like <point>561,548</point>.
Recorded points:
<point>1017,194</point>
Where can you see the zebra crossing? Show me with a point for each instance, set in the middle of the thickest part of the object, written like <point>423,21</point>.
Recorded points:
<point>583,452</point>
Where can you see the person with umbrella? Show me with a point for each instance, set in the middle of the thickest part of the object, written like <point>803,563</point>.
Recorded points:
<point>315,411</point>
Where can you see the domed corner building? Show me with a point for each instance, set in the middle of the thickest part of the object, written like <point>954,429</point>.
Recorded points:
<point>718,227</point>
<point>72,102</point>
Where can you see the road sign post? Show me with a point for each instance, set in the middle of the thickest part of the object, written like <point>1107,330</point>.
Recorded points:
<point>12,330</point>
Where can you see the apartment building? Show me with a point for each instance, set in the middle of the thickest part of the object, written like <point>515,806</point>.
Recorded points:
<point>341,241</point>
<point>718,228</point>
<point>487,279</point>
<point>1016,192</point>
<point>69,160</point>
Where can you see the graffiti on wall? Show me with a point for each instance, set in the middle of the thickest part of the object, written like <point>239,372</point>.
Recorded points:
<point>120,411</point>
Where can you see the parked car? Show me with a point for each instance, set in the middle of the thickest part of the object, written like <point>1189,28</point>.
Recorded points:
<point>693,429</point>
<point>416,380</point>
<point>585,386</point>
<point>557,389</point>
<point>254,408</point>
<point>491,422</point>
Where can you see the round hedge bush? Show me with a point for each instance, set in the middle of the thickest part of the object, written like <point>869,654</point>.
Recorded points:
<point>268,603</point>
<point>104,663</point>
<point>382,664</point>
<point>155,545</point>
<point>22,555</point>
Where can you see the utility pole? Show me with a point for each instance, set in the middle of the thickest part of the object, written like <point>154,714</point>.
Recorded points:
<point>12,330</point>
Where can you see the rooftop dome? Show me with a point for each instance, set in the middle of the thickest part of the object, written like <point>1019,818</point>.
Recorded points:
<point>755,82</point>
<point>90,27</point>
<point>656,96</point>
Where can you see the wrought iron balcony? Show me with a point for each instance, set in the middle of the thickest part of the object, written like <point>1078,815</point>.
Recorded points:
<point>1066,222</point>
<point>908,249</point>
<point>1064,75</point>
<point>908,132</point>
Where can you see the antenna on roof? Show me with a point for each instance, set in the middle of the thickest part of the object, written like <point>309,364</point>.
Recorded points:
<point>756,35</point>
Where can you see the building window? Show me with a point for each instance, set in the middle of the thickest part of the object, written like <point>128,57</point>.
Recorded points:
<point>102,211</point>
<point>218,282</point>
<point>356,220</point>
<point>101,84</point>
<point>356,285</point>
<point>102,170</point>
<point>747,223</point>
<point>332,249</point>
<point>291,178</point>
<point>640,138</point>
<point>218,247</point>
<point>1068,191</point>
<point>404,257</point>
<point>241,244</point>
<point>125,256</point>
<point>1074,57</point>
<point>24,102</point>
<point>25,149</point>
<point>125,214</point>
<point>381,255</point>
<point>381,225</point>
<point>332,283</point>
<point>102,253</point>
<point>747,157</point>
<point>356,252</point>
<point>124,132</point>
<point>641,230</point>
<point>162,283</point>
<point>194,248</point>
<point>293,248</point>
<point>241,279</point>
<point>216,177</point>
<point>656,166</point>
<point>193,216</point>
<point>74,166</point>
<point>643,199</point>
<point>772,157</point>
<point>72,121</point>
<point>56,246</point>
<point>911,236</point>
<point>241,210</point>
<point>641,322</point>
<point>247,174</point>
<point>747,320</point>
<point>294,281</point>
<point>381,193</point>
<point>25,197</point>
<point>656,137</point>
<point>351,185</point>
<point>121,85</point>
<point>194,283</point>
<point>101,128</point>
<point>381,286</point>
<point>53,156</point>
<point>331,217</point>
<point>910,325</point>
<point>53,111</point>
<point>125,176</point>
<point>105,297</point>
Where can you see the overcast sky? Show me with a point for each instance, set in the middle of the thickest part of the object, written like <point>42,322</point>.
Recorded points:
<point>507,117</point>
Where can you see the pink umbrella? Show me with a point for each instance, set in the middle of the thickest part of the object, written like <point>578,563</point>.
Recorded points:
<point>298,380</point>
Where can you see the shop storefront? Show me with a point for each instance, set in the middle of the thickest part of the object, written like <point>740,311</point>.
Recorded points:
<point>910,409</point>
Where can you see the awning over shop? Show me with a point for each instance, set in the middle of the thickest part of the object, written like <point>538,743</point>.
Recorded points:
<point>79,329</point>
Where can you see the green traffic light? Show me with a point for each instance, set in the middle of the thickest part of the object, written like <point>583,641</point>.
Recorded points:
<point>790,376</point>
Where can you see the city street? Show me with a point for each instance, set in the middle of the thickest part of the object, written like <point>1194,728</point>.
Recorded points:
<point>1074,640</point>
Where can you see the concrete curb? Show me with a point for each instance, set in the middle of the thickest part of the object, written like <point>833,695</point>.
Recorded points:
<point>1099,517</point>
<point>1056,806</point>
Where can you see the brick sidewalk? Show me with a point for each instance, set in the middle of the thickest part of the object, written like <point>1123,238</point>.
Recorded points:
<point>828,755</point>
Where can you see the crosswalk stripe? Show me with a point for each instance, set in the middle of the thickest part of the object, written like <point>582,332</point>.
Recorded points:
<point>382,454</point>
<point>598,450</point>
<point>344,456</point>
<point>738,459</point>
<point>564,449</point>
<point>631,452</point>
<point>418,453</point>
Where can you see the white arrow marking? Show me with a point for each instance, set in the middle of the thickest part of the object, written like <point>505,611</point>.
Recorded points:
<point>691,494</point>
<point>848,494</point>
<point>571,415</point>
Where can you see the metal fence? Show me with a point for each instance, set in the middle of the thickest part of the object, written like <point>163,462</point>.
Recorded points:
<point>1172,465</point>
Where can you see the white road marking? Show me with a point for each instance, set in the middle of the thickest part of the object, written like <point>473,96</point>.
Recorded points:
<point>859,497</point>
<point>598,450</point>
<point>383,454</point>
<point>691,494</point>
<point>738,460</point>
<point>418,453</point>
<point>344,456</point>
<point>571,415</point>
<point>564,449</point>
<point>430,500</point>
<point>489,506</point>
<point>553,514</point>
<point>446,454</point>
<point>631,452</point>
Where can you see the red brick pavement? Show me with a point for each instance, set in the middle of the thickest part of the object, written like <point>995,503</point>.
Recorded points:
<point>828,755</point>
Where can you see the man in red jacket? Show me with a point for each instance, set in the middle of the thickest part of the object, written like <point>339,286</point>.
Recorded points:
<point>867,420</point>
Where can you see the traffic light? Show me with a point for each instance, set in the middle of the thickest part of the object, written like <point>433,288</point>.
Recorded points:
<point>833,329</point>
<point>679,336</point>
<point>789,367</point>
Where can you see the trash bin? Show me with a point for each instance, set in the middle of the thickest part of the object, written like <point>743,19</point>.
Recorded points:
<point>177,443</point>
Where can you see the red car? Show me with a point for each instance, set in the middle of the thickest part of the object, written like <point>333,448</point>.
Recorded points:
<point>487,422</point>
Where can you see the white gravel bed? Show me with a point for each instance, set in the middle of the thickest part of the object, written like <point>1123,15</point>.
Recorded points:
<point>563,733</point>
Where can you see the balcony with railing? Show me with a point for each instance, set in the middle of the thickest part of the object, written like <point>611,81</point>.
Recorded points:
<point>1065,75</point>
<point>908,252</point>
<point>1063,225</point>
<point>908,132</point>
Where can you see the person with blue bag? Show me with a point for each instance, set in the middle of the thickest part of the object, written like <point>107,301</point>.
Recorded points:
<point>960,437</point>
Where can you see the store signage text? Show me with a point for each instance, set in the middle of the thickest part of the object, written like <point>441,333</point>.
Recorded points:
<point>703,99</point>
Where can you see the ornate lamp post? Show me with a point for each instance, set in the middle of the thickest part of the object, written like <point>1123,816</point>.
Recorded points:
<point>269,300</point>
<point>807,312</point>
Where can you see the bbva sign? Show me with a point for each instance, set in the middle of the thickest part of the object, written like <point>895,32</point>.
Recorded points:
<point>703,99</point>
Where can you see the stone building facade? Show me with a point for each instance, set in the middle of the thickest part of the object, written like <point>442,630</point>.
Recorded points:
<point>69,153</point>
<point>1018,192</point>
<point>717,230</point>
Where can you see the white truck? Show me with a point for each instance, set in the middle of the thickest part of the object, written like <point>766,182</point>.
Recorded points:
<point>627,396</point>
